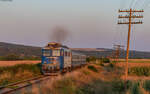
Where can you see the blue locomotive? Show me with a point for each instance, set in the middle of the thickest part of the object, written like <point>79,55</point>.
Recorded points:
<point>58,58</point>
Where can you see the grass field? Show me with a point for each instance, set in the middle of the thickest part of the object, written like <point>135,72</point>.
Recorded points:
<point>135,60</point>
<point>12,63</point>
<point>10,74</point>
<point>92,79</point>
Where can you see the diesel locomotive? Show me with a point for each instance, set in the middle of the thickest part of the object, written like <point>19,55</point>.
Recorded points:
<point>57,58</point>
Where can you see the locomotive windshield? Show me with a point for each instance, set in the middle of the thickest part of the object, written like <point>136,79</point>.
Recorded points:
<point>51,52</point>
<point>55,52</point>
<point>46,53</point>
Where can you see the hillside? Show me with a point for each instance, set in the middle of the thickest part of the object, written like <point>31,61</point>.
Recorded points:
<point>103,52</point>
<point>21,50</point>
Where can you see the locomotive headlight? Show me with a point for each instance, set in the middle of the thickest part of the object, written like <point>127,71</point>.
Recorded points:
<point>45,62</point>
<point>43,67</point>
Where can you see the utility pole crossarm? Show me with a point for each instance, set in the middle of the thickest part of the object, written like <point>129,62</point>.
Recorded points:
<point>141,16</point>
<point>131,11</point>
<point>131,22</point>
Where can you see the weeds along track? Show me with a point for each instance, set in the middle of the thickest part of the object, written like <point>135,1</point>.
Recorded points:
<point>22,84</point>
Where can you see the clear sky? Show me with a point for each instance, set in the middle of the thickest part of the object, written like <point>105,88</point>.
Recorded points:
<point>90,23</point>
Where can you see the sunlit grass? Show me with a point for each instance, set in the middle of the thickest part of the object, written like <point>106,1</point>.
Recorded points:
<point>18,72</point>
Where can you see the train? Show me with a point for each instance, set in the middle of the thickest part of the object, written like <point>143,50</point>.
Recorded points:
<point>58,58</point>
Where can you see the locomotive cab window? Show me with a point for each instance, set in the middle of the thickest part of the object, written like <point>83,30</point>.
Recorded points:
<point>56,52</point>
<point>46,53</point>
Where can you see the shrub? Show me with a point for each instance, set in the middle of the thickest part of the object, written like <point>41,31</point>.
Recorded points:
<point>136,88</point>
<point>10,57</point>
<point>66,86</point>
<point>146,85</point>
<point>101,64</point>
<point>92,68</point>
<point>91,58</point>
<point>13,57</point>
<point>140,71</point>
<point>86,72</point>
<point>118,86</point>
<point>105,60</point>
<point>15,72</point>
<point>111,65</point>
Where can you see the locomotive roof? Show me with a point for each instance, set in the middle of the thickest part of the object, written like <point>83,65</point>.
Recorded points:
<point>54,45</point>
<point>78,53</point>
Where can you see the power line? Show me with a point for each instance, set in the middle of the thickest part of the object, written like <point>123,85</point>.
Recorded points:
<point>131,4</point>
<point>136,3</point>
<point>123,4</point>
<point>146,3</point>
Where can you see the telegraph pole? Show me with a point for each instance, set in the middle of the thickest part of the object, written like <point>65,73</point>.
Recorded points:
<point>117,51</point>
<point>130,16</point>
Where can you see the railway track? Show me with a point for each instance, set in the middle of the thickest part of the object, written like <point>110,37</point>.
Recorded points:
<point>22,84</point>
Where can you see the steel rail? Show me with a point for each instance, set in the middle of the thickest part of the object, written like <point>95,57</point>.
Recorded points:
<point>6,89</point>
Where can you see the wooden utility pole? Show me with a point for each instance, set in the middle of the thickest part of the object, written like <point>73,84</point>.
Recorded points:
<point>130,16</point>
<point>117,51</point>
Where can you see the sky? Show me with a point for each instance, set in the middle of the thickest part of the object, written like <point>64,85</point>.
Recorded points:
<point>89,23</point>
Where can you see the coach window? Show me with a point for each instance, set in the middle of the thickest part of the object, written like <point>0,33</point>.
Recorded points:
<point>46,52</point>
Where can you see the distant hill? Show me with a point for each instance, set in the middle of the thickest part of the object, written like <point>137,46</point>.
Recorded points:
<point>103,52</point>
<point>21,50</point>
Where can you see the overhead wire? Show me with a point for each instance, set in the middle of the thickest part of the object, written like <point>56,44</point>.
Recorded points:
<point>146,4</point>
<point>123,4</point>
<point>136,3</point>
<point>117,27</point>
<point>131,4</point>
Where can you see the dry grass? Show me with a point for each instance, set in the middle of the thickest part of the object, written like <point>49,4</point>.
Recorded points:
<point>5,75</point>
<point>12,63</point>
<point>19,72</point>
<point>70,82</point>
<point>78,79</point>
<point>133,64</point>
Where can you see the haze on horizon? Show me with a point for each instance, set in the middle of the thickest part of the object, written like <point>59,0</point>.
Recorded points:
<point>90,23</point>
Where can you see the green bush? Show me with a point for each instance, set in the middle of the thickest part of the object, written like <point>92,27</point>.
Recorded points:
<point>146,85</point>
<point>13,57</point>
<point>91,58</point>
<point>118,86</point>
<point>10,57</point>
<point>140,71</point>
<point>111,65</point>
<point>35,68</point>
<point>105,60</point>
<point>31,58</point>
<point>136,88</point>
<point>66,86</point>
<point>92,68</point>
<point>101,64</point>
